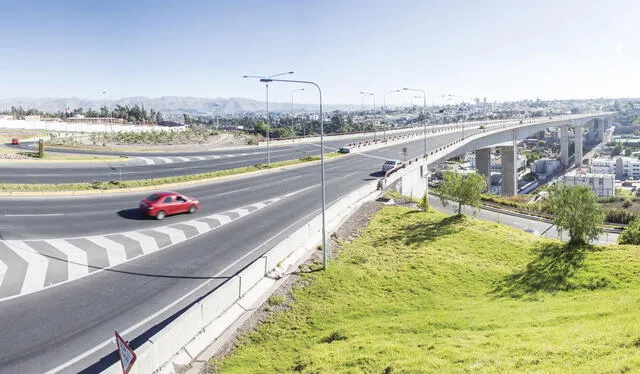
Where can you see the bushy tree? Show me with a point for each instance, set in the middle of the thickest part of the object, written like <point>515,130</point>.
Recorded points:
<point>631,234</point>
<point>465,189</point>
<point>577,211</point>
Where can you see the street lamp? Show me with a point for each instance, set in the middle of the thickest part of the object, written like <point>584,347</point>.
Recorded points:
<point>374,107</point>
<point>324,231</point>
<point>424,105</point>
<point>267,101</point>
<point>384,105</point>
<point>292,130</point>
<point>449,96</point>
<point>216,106</point>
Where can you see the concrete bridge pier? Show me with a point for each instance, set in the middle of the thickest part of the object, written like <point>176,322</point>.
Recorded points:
<point>579,133</point>
<point>483,162</point>
<point>564,146</point>
<point>509,156</point>
<point>601,130</point>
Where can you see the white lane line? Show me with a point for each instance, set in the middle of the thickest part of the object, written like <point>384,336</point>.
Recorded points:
<point>167,160</point>
<point>147,243</point>
<point>147,160</point>
<point>259,205</point>
<point>201,227</point>
<point>230,156</point>
<point>77,262</point>
<point>185,159</point>
<point>105,343</point>
<point>175,235</point>
<point>115,251</point>
<point>212,156</point>
<point>35,215</point>
<point>3,271</point>
<point>36,266</point>
<point>200,158</point>
<point>220,218</point>
<point>239,211</point>
<point>232,192</point>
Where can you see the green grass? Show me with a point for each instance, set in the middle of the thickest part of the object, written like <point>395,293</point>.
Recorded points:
<point>11,187</point>
<point>430,293</point>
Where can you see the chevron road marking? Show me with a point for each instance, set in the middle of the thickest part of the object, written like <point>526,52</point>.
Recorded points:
<point>115,251</point>
<point>36,265</point>
<point>116,248</point>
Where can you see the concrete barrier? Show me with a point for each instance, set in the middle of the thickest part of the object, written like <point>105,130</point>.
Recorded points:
<point>252,275</point>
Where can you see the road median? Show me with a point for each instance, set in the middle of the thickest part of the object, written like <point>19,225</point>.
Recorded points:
<point>117,187</point>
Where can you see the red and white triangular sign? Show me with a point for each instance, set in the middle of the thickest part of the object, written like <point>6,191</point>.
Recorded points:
<point>127,355</point>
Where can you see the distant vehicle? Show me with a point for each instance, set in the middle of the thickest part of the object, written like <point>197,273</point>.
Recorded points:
<point>390,164</point>
<point>15,141</point>
<point>162,204</point>
<point>344,150</point>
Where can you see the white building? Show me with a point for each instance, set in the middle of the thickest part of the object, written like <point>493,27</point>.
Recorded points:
<point>544,167</point>
<point>601,184</point>
<point>602,166</point>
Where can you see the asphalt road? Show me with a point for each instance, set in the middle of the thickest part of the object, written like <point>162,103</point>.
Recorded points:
<point>46,328</point>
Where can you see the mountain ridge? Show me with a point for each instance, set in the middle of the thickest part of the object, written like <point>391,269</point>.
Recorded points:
<point>165,104</point>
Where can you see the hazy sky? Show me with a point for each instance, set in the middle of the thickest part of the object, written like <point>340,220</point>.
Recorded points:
<point>502,50</point>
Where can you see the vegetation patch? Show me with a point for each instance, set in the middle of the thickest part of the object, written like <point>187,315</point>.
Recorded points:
<point>445,293</point>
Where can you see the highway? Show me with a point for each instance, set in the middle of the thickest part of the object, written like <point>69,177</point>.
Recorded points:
<point>161,165</point>
<point>68,325</point>
<point>82,314</point>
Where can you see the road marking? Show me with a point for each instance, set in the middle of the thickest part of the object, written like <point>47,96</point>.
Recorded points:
<point>220,218</point>
<point>239,211</point>
<point>115,251</point>
<point>147,161</point>
<point>166,160</point>
<point>36,266</point>
<point>35,215</point>
<point>3,270</point>
<point>201,158</point>
<point>147,243</point>
<point>202,227</point>
<point>77,262</point>
<point>185,159</point>
<point>232,192</point>
<point>175,235</point>
<point>212,156</point>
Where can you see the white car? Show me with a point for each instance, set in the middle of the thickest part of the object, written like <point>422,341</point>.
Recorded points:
<point>390,164</point>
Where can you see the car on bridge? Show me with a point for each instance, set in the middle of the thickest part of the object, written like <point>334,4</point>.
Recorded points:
<point>390,164</point>
<point>162,204</point>
<point>344,149</point>
<point>15,141</point>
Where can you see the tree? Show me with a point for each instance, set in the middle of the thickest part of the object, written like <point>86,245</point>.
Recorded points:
<point>617,149</point>
<point>627,152</point>
<point>465,189</point>
<point>576,210</point>
<point>631,234</point>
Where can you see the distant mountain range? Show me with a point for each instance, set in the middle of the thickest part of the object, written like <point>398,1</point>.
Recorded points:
<point>164,104</point>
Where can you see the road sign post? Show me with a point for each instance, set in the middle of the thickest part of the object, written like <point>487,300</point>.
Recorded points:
<point>126,354</point>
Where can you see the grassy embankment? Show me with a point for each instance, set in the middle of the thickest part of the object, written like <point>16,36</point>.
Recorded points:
<point>426,292</point>
<point>112,185</point>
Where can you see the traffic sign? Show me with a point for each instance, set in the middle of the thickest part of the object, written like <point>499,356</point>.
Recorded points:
<point>127,355</point>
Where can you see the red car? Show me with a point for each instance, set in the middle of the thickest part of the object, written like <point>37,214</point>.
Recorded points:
<point>15,141</point>
<point>164,204</point>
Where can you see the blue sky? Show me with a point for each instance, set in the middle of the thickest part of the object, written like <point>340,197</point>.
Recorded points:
<point>502,50</point>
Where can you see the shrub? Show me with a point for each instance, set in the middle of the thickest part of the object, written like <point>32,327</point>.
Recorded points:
<point>631,235</point>
<point>619,216</point>
<point>627,204</point>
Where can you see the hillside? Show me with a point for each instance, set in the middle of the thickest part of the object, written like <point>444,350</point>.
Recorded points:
<point>430,293</point>
<point>165,104</point>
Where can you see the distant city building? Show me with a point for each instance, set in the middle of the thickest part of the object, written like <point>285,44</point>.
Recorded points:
<point>601,184</point>
<point>602,166</point>
<point>544,168</point>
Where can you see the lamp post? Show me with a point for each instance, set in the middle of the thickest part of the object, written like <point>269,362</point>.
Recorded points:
<point>324,231</point>
<point>216,106</point>
<point>292,92</point>
<point>424,109</point>
<point>267,104</point>
<point>449,96</point>
<point>384,105</point>
<point>374,107</point>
